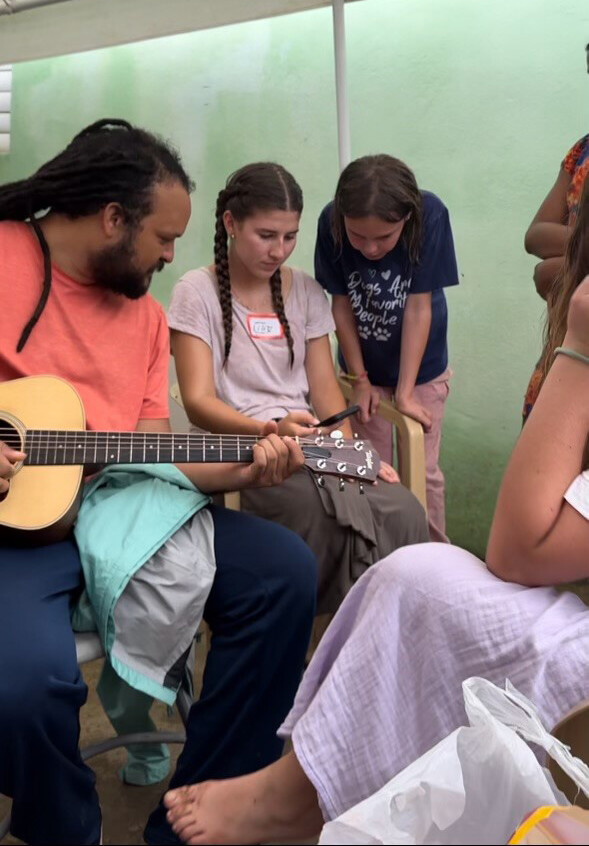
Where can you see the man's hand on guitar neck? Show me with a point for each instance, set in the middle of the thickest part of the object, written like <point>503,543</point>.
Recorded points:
<point>8,458</point>
<point>275,459</point>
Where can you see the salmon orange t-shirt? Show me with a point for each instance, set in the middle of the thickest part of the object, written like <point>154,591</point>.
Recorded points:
<point>113,350</point>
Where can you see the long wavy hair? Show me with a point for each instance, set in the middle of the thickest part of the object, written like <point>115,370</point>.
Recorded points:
<point>263,186</point>
<point>379,186</point>
<point>575,268</point>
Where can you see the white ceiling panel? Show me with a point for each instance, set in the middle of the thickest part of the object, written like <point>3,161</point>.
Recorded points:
<point>34,29</point>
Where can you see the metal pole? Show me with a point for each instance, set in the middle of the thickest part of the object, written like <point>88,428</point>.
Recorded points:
<point>341,93</point>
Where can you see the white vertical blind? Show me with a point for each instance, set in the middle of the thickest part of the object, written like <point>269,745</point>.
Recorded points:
<point>5,101</point>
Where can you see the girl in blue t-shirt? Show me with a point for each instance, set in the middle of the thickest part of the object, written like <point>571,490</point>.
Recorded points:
<point>385,252</point>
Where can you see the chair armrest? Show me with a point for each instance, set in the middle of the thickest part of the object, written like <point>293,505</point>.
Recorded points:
<point>410,442</point>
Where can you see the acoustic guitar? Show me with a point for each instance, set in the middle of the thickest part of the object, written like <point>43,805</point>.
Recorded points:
<point>44,417</point>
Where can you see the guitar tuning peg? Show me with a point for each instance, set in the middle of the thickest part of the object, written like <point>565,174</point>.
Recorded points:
<point>342,484</point>
<point>361,486</point>
<point>321,481</point>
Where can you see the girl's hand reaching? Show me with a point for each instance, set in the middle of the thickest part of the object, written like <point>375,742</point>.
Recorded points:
<point>367,397</point>
<point>409,406</point>
<point>388,473</point>
<point>298,424</point>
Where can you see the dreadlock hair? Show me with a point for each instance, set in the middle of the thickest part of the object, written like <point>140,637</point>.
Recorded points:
<point>109,161</point>
<point>263,186</point>
<point>379,186</point>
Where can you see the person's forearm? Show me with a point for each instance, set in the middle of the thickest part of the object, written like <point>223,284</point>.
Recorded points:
<point>417,321</point>
<point>527,543</point>
<point>214,415</point>
<point>347,334</point>
<point>545,272</point>
<point>546,240</point>
<point>213,478</point>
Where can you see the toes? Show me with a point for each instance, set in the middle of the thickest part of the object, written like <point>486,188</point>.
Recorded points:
<point>194,834</point>
<point>187,829</point>
<point>174,796</point>
<point>180,816</point>
<point>180,819</point>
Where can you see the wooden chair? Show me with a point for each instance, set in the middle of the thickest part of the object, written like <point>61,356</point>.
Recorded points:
<point>409,441</point>
<point>572,730</point>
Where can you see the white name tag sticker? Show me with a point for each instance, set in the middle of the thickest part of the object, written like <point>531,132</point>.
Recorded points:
<point>264,327</point>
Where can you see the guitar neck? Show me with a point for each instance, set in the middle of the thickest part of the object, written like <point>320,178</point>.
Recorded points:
<point>56,447</point>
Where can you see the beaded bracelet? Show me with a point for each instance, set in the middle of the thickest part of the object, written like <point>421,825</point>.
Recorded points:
<point>572,354</point>
<point>352,378</point>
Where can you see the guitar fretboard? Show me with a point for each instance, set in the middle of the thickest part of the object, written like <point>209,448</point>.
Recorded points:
<point>62,447</point>
<point>54,447</point>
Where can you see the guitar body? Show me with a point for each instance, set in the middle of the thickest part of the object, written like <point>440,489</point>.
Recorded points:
<point>42,502</point>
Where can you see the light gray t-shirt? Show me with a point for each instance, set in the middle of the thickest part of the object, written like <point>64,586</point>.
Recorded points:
<point>257,379</point>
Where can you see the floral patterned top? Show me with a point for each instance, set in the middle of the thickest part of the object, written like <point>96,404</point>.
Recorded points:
<point>576,164</point>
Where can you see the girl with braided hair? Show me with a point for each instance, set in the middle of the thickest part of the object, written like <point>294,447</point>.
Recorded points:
<point>250,338</point>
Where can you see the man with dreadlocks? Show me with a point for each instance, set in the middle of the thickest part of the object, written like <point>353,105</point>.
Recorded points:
<point>79,242</point>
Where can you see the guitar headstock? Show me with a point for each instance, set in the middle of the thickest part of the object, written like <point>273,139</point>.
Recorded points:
<point>352,458</point>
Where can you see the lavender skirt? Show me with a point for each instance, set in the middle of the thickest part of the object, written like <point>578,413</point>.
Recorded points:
<point>385,683</point>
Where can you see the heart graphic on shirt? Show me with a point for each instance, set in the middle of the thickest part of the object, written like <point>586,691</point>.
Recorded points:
<point>372,273</point>
<point>385,275</point>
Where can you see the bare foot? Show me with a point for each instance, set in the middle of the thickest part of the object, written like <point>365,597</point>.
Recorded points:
<point>278,802</point>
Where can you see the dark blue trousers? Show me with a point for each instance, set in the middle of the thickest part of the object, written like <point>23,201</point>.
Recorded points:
<point>260,611</point>
<point>41,693</point>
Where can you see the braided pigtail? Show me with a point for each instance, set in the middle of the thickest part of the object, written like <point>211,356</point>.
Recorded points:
<point>278,305</point>
<point>222,271</point>
<point>262,186</point>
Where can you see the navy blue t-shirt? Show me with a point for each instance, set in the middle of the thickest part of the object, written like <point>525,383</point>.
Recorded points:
<point>378,291</point>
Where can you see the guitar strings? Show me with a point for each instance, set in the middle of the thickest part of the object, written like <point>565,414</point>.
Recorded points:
<point>103,440</point>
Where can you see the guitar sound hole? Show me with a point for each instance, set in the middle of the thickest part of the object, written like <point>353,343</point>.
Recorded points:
<point>9,435</point>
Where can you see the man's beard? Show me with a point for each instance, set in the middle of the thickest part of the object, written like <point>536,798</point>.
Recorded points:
<point>114,269</point>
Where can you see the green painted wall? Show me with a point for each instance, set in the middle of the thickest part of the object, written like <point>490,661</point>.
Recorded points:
<point>481,99</point>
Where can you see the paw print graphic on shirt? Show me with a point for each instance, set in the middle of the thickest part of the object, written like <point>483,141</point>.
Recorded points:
<point>364,332</point>
<point>382,334</point>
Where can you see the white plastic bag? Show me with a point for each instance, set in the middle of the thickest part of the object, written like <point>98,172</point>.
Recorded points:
<point>475,786</point>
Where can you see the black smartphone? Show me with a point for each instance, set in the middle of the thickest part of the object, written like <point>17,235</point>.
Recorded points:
<point>337,418</point>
